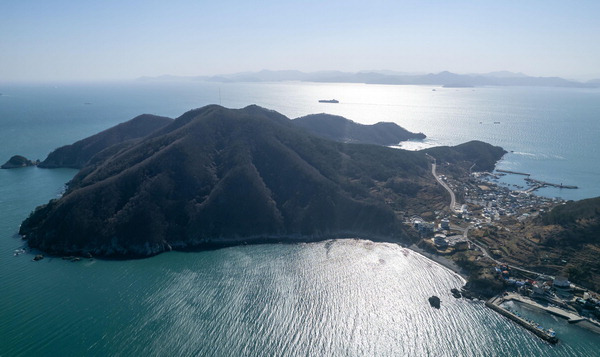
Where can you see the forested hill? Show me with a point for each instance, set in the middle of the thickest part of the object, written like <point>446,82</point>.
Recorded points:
<point>224,176</point>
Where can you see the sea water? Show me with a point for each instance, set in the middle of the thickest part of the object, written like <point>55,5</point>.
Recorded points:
<point>342,297</point>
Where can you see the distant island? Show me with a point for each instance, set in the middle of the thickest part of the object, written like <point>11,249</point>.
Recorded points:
<point>218,177</point>
<point>341,129</point>
<point>444,79</point>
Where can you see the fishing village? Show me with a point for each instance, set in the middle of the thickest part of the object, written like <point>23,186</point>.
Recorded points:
<point>470,237</point>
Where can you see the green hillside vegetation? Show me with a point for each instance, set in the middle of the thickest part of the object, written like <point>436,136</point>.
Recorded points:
<point>338,128</point>
<point>217,176</point>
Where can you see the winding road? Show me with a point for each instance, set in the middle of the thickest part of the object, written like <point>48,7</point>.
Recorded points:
<point>444,185</point>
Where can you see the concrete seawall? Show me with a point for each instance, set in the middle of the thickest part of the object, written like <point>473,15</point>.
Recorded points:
<point>513,172</point>
<point>494,304</point>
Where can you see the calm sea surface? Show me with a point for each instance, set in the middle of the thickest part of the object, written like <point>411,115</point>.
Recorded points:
<point>342,297</point>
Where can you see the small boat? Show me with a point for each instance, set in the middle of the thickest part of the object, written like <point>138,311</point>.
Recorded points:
<point>329,101</point>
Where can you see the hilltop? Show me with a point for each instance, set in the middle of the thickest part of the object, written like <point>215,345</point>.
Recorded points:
<point>332,127</point>
<point>217,176</point>
<point>18,161</point>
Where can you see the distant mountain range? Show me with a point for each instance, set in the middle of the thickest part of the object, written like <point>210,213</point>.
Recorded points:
<point>447,79</point>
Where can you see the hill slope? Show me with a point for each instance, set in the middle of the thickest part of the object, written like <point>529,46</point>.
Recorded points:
<point>338,128</point>
<point>563,241</point>
<point>77,155</point>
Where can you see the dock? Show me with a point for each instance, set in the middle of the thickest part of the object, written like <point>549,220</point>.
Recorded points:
<point>494,304</point>
<point>539,184</point>
<point>570,315</point>
<point>513,172</point>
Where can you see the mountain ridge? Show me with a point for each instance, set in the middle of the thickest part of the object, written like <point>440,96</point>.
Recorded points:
<point>444,78</point>
<point>77,154</point>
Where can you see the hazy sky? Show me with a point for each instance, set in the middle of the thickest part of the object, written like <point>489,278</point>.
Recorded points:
<point>106,39</point>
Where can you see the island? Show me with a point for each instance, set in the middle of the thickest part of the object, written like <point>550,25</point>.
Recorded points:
<point>18,161</point>
<point>216,177</point>
<point>341,129</point>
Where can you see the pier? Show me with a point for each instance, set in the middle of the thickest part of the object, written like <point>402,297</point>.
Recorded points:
<point>539,184</point>
<point>494,304</point>
<point>513,172</point>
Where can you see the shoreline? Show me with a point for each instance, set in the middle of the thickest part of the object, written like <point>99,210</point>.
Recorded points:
<point>445,262</point>
<point>116,252</point>
<point>258,240</point>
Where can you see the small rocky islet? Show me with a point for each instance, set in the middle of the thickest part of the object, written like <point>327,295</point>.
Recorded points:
<point>435,302</point>
<point>18,161</point>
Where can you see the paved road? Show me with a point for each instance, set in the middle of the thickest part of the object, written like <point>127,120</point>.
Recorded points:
<point>444,185</point>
